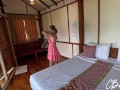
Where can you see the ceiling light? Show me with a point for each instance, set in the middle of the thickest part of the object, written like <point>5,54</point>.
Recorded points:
<point>31,1</point>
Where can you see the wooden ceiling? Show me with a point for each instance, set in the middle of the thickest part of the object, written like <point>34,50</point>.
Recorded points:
<point>42,4</point>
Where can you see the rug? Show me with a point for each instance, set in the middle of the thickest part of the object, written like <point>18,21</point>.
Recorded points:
<point>21,69</point>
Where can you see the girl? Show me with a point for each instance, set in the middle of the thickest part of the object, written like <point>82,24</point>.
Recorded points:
<point>53,53</point>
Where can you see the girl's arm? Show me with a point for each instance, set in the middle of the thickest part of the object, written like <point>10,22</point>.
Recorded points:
<point>46,33</point>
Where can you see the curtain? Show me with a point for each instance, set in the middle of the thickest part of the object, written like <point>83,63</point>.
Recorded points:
<point>23,28</point>
<point>30,26</point>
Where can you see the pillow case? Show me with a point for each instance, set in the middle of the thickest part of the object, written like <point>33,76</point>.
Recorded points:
<point>89,51</point>
<point>118,58</point>
<point>103,51</point>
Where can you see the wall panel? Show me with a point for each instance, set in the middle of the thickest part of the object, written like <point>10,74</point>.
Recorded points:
<point>110,22</point>
<point>75,50</point>
<point>91,21</point>
<point>46,21</point>
<point>73,22</point>
<point>65,49</point>
<point>60,20</point>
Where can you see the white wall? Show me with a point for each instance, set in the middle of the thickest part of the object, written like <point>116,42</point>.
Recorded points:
<point>110,22</point>
<point>90,21</point>
<point>73,22</point>
<point>75,50</point>
<point>46,22</point>
<point>65,49</point>
<point>60,18</point>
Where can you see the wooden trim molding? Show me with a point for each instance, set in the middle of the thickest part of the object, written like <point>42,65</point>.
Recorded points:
<point>21,14</point>
<point>98,21</point>
<point>68,42</point>
<point>68,23</point>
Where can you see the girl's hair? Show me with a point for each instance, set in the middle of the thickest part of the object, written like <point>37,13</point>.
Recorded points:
<point>53,28</point>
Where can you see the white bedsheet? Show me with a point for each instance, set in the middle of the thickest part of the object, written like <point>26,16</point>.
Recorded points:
<point>57,76</point>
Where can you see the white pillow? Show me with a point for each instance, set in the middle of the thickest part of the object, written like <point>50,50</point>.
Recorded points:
<point>102,51</point>
<point>118,58</point>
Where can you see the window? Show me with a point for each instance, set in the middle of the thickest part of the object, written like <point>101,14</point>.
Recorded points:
<point>23,29</point>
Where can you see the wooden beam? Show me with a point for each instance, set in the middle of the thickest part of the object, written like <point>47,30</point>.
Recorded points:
<point>53,5</point>
<point>54,2</point>
<point>44,4</point>
<point>29,5</point>
<point>81,23</point>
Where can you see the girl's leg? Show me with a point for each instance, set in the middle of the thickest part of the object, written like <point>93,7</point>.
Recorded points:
<point>50,63</point>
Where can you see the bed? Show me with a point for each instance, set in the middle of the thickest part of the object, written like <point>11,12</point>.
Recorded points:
<point>59,75</point>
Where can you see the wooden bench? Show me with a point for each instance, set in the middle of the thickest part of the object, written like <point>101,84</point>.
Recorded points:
<point>30,52</point>
<point>29,49</point>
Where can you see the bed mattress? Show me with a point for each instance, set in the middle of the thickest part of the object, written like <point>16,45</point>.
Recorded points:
<point>58,76</point>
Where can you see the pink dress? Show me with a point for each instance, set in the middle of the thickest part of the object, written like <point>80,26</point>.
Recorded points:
<point>53,53</point>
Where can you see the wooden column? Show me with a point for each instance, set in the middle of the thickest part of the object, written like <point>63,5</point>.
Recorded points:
<point>81,23</point>
<point>40,24</point>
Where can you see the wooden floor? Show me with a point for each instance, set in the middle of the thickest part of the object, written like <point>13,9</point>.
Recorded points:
<point>21,82</point>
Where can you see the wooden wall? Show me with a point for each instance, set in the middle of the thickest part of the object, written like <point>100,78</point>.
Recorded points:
<point>18,7</point>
